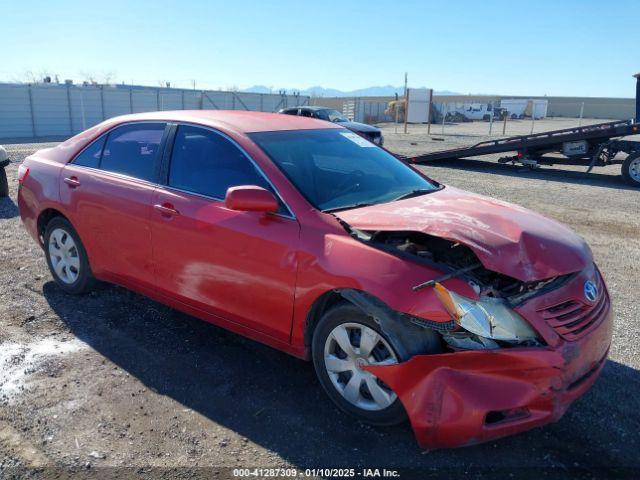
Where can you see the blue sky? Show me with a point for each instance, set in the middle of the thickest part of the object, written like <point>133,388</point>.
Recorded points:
<point>561,47</point>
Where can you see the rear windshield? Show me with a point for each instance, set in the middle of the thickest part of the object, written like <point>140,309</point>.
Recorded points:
<point>337,169</point>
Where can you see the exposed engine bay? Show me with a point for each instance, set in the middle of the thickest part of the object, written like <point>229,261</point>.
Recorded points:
<point>487,323</point>
<point>459,260</point>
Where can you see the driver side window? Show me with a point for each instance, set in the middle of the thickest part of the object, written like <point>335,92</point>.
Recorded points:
<point>207,163</point>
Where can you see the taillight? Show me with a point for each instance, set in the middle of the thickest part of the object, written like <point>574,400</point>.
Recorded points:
<point>23,173</point>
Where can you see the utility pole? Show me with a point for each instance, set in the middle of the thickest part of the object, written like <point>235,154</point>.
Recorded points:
<point>637,77</point>
<point>405,85</point>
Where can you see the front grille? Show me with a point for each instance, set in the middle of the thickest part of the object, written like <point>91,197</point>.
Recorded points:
<point>574,318</point>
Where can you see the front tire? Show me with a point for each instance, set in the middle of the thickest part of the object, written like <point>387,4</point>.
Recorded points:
<point>631,169</point>
<point>344,340</point>
<point>66,257</point>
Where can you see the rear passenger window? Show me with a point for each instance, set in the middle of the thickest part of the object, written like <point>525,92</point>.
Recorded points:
<point>90,156</point>
<point>207,163</point>
<point>133,150</point>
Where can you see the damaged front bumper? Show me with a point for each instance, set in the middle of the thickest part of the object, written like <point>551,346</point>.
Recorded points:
<point>466,397</point>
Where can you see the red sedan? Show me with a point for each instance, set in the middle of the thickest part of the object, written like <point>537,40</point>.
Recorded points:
<point>472,317</point>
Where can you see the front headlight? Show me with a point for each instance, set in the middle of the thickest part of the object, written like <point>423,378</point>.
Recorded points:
<point>488,317</point>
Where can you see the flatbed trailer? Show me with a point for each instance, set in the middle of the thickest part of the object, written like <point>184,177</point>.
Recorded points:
<point>592,145</point>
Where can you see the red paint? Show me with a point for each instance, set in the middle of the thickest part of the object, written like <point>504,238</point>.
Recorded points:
<point>250,198</point>
<point>506,238</point>
<point>448,396</point>
<point>259,274</point>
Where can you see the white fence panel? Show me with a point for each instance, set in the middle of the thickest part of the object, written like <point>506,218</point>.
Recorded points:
<point>116,102</point>
<point>15,114</point>
<point>63,110</point>
<point>86,108</point>
<point>171,101</point>
<point>144,100</point>
<point>192,100</point>
<point>50,111</point>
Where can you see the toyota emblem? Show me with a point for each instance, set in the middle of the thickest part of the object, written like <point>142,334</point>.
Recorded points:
<point>590,291</point>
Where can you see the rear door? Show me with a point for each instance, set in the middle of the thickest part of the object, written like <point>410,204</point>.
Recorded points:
<point>108,190</point>
<point>240,266</point>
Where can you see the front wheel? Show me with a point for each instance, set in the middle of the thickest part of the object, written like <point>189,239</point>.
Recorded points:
<point>344,341</point>
<point>631,169</point>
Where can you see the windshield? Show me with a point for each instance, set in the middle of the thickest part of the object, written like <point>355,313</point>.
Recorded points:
<point>331,115</point>
<point>338,169</point>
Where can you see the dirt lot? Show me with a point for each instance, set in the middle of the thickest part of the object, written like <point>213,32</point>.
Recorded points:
<point>113,379</point>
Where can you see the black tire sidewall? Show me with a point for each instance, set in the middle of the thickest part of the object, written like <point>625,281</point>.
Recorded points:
<point>85,280</point>
<point>625,169</point>
<point>348,313</point>
<point>4,183</point>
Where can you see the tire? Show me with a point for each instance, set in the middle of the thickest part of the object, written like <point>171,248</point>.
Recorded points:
<point>67,258</point>
<point>4,184</point>
<point>631,169</point>
<point>348,317</point>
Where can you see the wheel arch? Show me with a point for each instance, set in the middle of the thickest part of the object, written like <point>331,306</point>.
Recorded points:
<point>407,335</point>
<point>45,217</point>
<point>321,304</point>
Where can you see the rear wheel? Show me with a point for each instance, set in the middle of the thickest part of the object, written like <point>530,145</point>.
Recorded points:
<point>344,341</point>
<point>4,184</point>
<point>66,257</point>
<point>631,169</point>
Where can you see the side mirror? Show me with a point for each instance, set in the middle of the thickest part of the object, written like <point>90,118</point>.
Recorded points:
<point>250,198</point>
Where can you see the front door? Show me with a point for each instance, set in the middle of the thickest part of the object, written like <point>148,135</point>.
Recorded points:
<point>240,266</point>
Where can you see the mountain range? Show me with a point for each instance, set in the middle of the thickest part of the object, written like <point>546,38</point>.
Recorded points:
<point>317,91</point>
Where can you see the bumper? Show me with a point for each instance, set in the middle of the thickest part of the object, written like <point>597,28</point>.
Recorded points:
<point>462,398</point>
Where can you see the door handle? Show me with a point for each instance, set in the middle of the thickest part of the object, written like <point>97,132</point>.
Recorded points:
<point>73,182</point>
<point>166,209</point>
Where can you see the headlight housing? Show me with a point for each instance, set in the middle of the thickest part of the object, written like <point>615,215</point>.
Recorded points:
<point>488,317</point>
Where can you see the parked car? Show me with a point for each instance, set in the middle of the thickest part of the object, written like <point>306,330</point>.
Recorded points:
<point>473,317</point>
<point>369,132</point>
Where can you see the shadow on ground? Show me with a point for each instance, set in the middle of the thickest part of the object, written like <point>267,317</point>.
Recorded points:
<point>544,173</point>
<point>8,208</point>
<point>274,400</point>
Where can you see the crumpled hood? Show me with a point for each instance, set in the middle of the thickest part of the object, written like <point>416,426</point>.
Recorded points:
<point>507,238</point>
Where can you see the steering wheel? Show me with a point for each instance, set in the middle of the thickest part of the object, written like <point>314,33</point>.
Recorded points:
<point>351,183</point>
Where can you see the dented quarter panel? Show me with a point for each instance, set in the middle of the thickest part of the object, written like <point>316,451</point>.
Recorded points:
<point>506,238</point>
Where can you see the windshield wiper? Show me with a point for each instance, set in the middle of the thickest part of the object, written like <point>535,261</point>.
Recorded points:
<point>347,207</point>
<point>413,193</point>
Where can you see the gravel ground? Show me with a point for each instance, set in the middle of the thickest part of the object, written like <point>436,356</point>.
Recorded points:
<point>113,379</point>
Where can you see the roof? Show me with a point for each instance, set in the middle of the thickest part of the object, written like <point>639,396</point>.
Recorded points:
<point>239,120</point>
